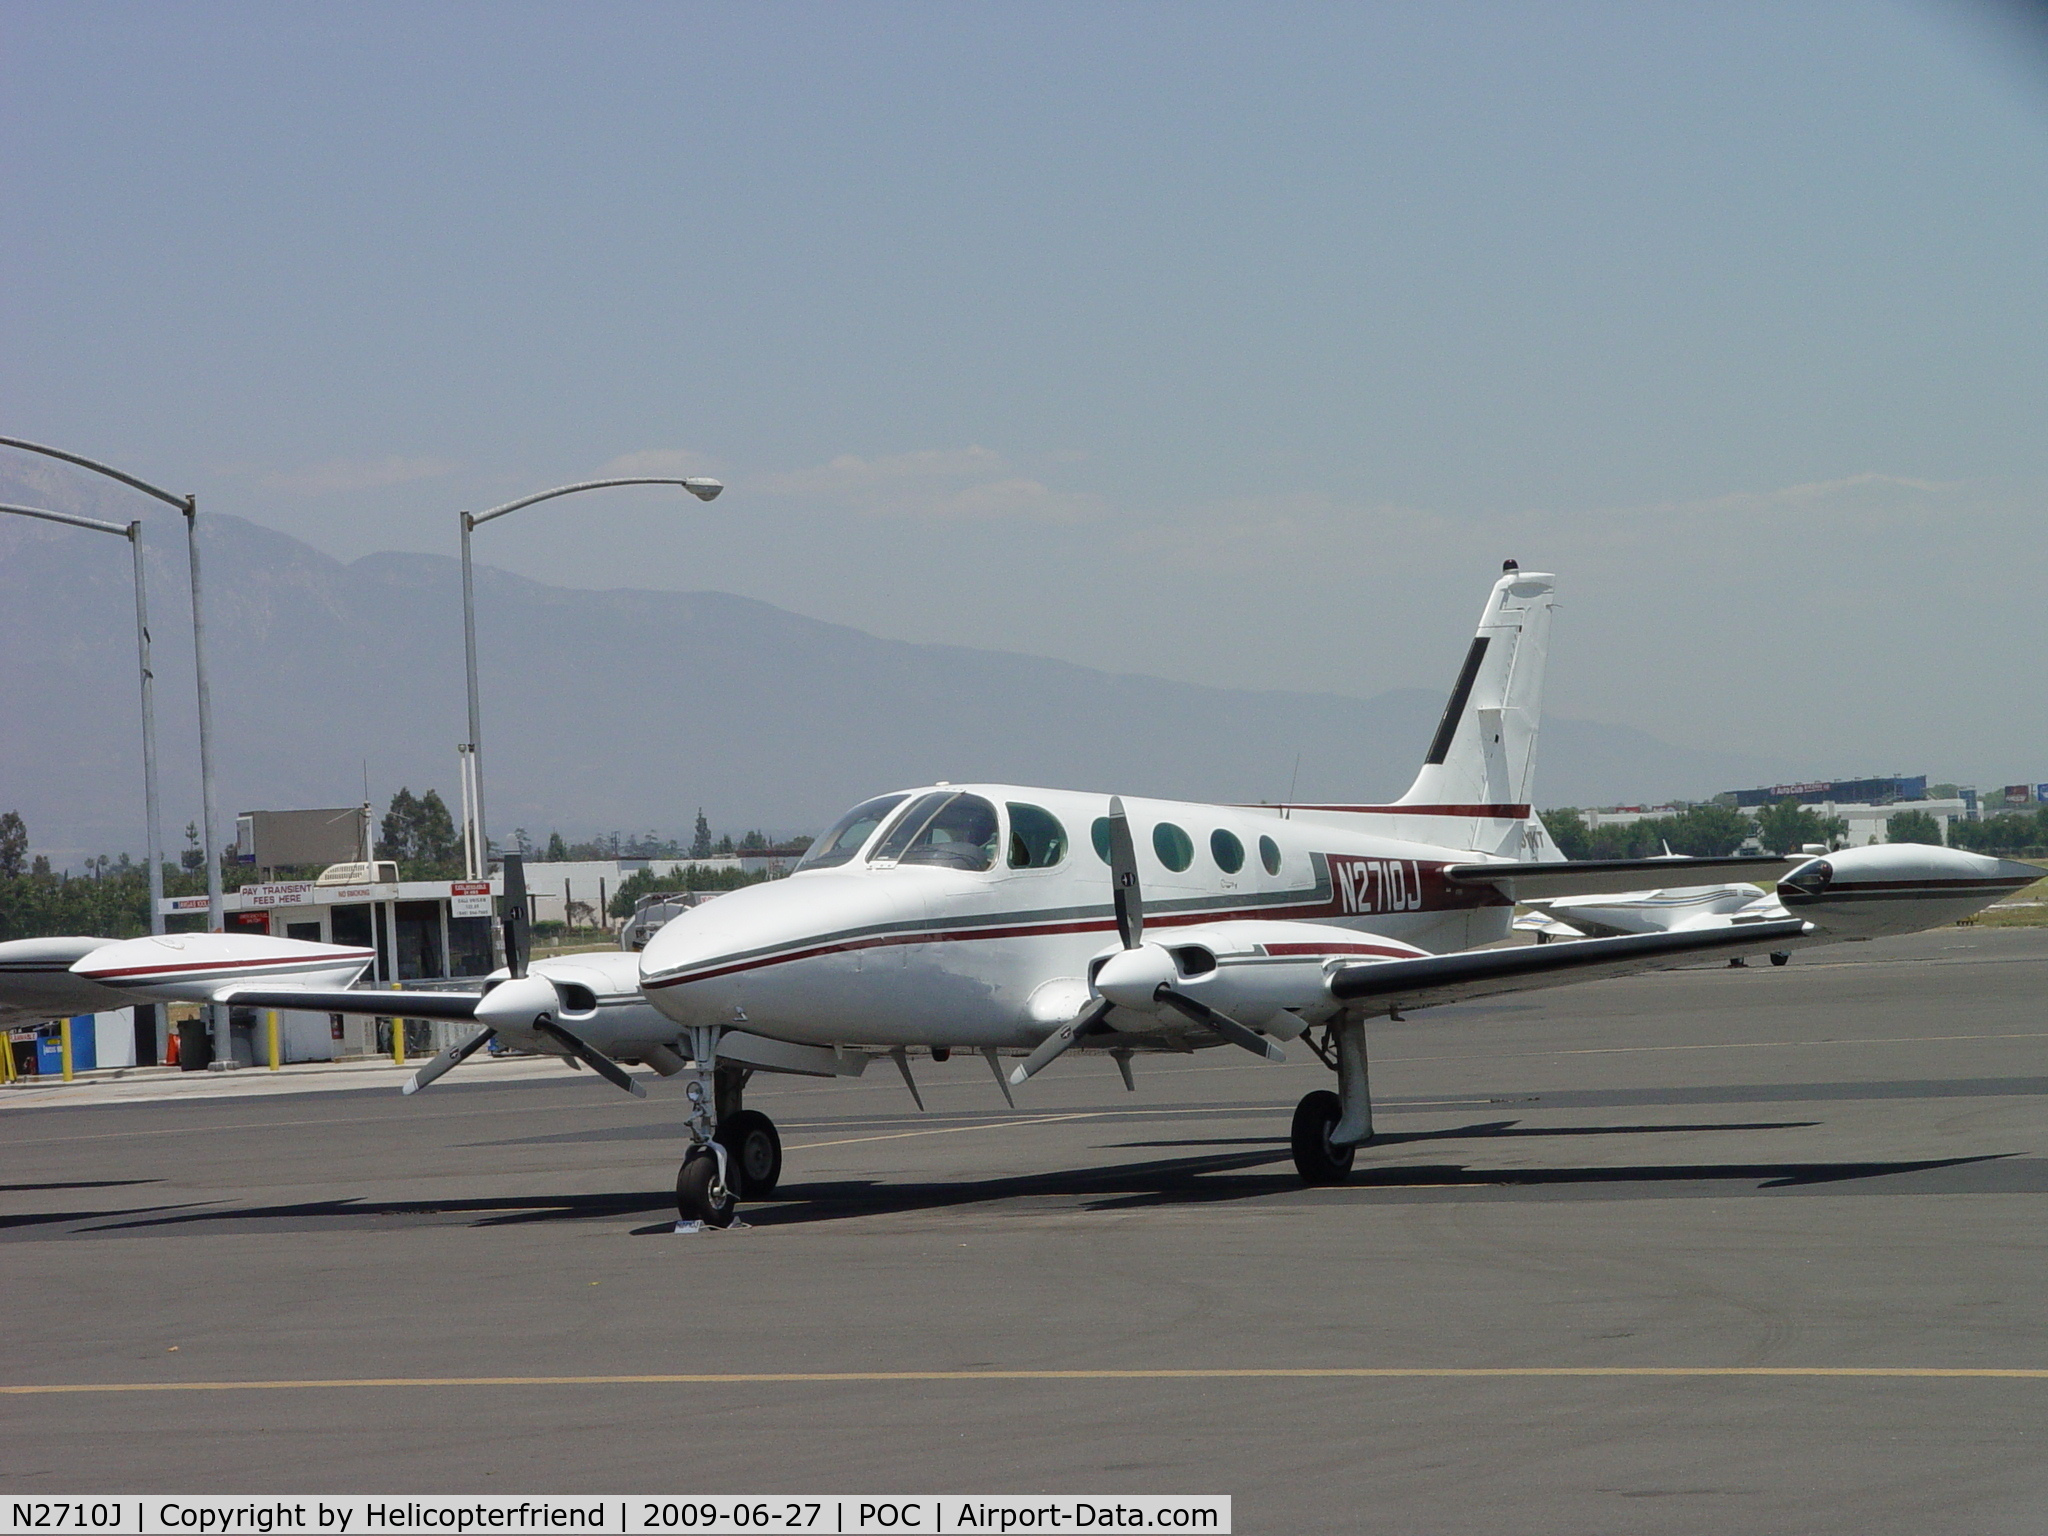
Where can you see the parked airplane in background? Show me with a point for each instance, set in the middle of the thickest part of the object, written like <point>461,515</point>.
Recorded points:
<point>998,918</point>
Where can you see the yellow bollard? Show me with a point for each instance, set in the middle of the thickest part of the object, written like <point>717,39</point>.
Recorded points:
<point>397,1037</point>
<point>276,1060</point>
<point>64,1034</point>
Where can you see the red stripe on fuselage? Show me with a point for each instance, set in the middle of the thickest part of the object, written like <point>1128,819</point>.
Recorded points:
<point>1499,812</point>
<point>1103,925</point>
<point>1345,949</point>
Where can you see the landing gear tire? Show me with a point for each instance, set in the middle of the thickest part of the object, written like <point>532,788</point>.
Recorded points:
<point>1317,1161</point>
<point>1780,956</point>
<point>699,1196</point>
<point>753,1153</point>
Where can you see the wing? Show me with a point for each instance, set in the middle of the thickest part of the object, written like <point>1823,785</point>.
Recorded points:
<point>1458,978</point>
<point>1602,877</point>
<point>410,1005</point>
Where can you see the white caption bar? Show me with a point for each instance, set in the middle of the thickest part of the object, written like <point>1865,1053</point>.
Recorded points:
<point>922,1514</point>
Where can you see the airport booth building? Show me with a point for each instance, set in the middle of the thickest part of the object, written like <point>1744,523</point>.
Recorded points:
<point>423,932</point>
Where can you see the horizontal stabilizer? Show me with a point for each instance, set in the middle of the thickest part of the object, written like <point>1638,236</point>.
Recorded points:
<point>1435,979</point>
<point>390,1005</point>
<point>1601,877</point>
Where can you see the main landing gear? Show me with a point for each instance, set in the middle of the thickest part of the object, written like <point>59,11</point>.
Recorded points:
<point>735,1153</point>
<point>1329,1128</point>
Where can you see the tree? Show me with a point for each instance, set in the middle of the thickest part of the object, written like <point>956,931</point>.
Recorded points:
<point>1913,827</point>
<point>419,830</point>
<point>700,840</point>
<point>397,828</point>
<point>1705,831</point>
<point>2011,834</point>
<point>724,846</point>
<point>754,842</point>
<point>1788,826</point>
<point>192,856</point>
<point>13,843</point>
<point>558,851</point>
<point>692,877</point>
<point>1568,831</point>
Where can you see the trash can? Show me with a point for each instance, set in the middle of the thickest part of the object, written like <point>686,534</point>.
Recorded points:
<point>195,1050</point>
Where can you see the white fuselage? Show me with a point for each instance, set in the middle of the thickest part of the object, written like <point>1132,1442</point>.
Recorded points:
<point>888,952</point>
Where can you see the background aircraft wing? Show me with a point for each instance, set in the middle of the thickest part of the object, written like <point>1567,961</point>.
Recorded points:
<point>1601,877</point>
<point>1436,979</point>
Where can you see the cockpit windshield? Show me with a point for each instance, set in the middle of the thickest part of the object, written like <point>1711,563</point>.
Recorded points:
<point>948,828</point>
<point>849,834</point>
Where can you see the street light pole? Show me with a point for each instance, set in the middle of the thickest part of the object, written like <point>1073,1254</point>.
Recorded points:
<point>189,505</point>
<point>216,917</point>
<point>476,730</point>
<point>153,852</point>
<point>702,489</point>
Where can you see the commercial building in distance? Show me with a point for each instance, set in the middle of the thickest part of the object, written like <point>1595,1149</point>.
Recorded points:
<point>1881,791</point>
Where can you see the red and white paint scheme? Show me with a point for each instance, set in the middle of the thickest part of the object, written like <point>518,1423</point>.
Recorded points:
<point>1001,918</point>
<point>200,967</point>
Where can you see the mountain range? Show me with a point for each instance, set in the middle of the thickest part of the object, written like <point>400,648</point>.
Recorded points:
<point>626,709</point>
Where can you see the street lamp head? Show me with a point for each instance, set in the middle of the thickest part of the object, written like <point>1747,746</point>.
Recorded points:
<point>704,490</point>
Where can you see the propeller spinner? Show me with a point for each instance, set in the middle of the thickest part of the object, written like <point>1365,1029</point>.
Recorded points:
<point>1141,977</point>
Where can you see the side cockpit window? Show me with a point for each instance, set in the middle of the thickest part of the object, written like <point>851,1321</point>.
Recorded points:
<point>849,834</point>
<point>1037,840</point>
<point>947,828</point>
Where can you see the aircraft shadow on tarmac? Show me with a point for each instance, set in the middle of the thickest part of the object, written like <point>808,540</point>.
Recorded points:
<point>1249,1171</point>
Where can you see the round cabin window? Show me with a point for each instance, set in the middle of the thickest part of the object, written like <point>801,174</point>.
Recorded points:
<point>1227,851</point>
<point>1269,855</point>
<point>1175,848</point>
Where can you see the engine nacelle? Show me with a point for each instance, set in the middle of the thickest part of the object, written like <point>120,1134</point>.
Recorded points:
<point>1868,893</point>
<point>1266,975</point>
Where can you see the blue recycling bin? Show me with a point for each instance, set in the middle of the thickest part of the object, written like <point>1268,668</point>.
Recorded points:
<point>84,1053</point>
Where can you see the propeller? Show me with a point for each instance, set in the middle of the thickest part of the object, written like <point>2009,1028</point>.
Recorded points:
<point>523,1001</point>
<point>1143,974</point>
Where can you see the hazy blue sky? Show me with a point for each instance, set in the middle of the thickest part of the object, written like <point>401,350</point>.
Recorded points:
<point>1231,343</point>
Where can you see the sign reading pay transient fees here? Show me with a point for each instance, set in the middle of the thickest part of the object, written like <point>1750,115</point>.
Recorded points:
<point>469,898</point>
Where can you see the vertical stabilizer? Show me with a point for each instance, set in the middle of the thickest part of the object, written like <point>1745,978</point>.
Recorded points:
<point>1484,750</point>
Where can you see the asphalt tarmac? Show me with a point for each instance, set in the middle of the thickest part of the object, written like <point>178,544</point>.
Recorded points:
<point>1610,1258</point>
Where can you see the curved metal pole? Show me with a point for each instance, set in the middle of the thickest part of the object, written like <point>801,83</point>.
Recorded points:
<point>153,849</point>
<point>97,468</point>
<point>189,505</point>
<point>703,489</point>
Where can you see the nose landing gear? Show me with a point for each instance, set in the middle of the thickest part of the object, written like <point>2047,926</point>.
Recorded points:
<point>734,1152</point>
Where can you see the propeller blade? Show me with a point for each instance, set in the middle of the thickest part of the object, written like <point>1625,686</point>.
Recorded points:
<point>1123,879</point>
<point>1002,1082</point>
<point>595,1059</point>
<point>1058,1042</point>
<point>454,1056</point>
<point>517,929</point>
<point>1223,1024</point>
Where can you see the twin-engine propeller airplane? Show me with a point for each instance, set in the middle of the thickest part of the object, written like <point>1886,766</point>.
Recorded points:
<point>995,918</point>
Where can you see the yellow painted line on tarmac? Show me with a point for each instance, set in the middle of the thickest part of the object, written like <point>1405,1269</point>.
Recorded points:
<point>1254,1373</point>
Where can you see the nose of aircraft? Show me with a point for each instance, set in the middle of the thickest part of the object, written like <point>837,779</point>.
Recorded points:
<point>697,968</point>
